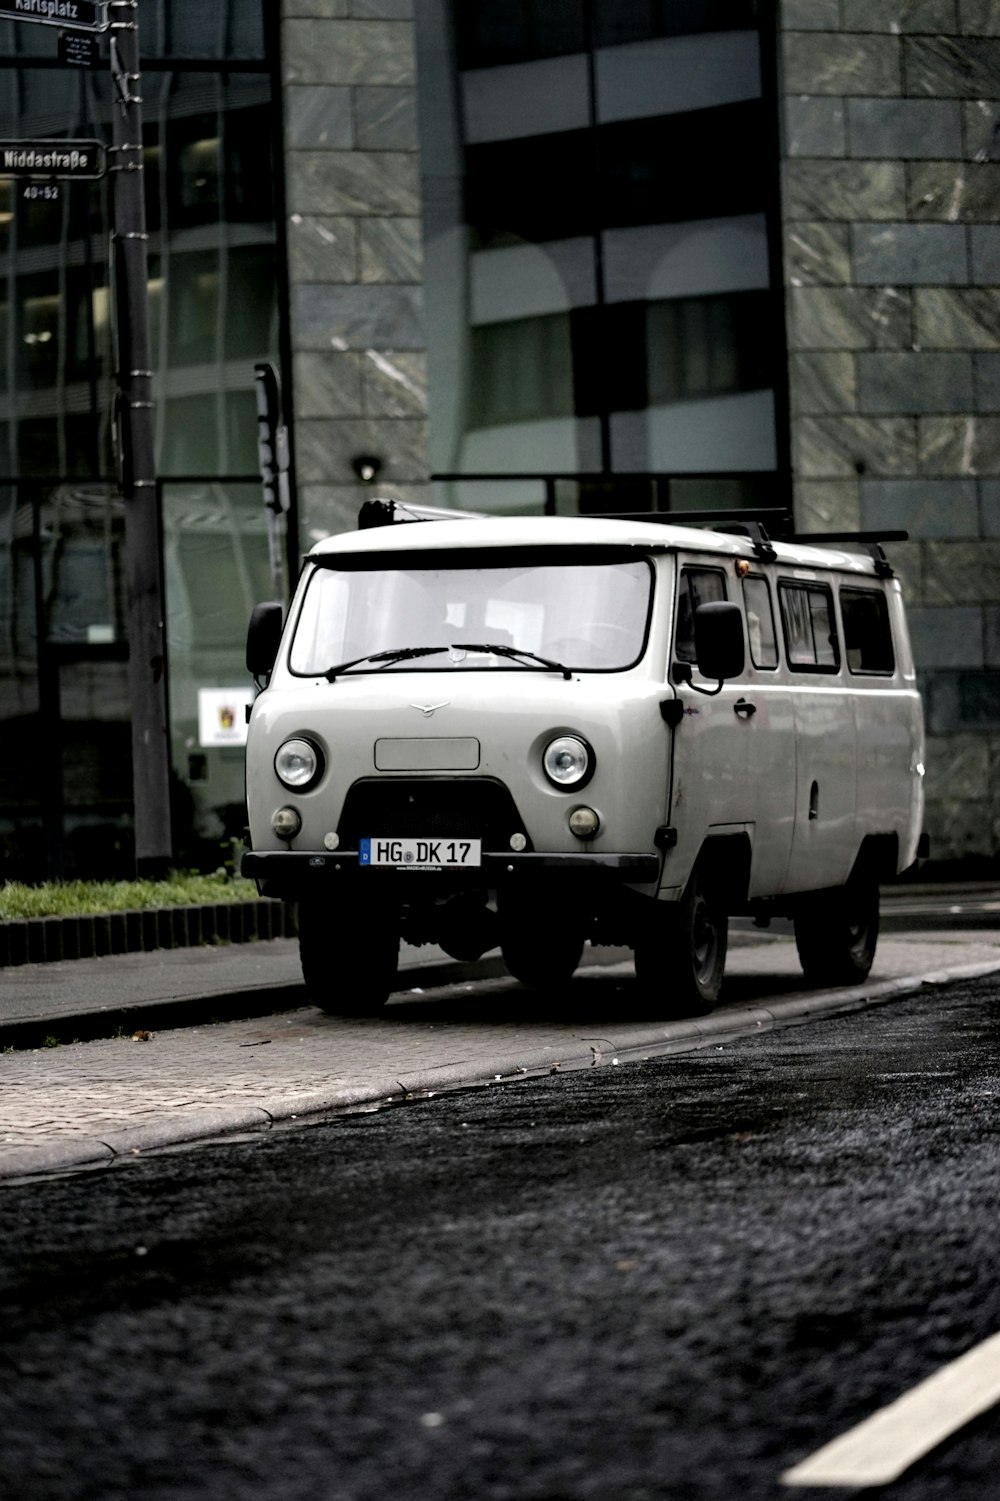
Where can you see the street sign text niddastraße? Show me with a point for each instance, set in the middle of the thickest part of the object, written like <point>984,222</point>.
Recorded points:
<point>84,15</point>
<point>83,160</point>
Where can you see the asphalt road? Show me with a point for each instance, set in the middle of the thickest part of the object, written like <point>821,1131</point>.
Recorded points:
<point>671,1279</point>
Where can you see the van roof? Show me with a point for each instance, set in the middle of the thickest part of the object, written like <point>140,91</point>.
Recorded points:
<point>471,532</point>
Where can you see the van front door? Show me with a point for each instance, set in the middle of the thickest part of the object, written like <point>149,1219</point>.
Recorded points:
<point>711,757</point>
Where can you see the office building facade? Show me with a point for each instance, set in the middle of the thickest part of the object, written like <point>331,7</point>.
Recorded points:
<point>525,254</point>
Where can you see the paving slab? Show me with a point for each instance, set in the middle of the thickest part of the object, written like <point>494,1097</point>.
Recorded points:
<point>93,1102</point>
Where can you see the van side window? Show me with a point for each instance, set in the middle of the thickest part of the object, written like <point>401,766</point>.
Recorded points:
<point>867,635</point>
<point>699,586</point>
<point>760,622</point>
<point>810,628</point>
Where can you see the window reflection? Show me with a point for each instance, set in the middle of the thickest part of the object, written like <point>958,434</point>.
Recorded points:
<point>608,175</point>
<point>213,313</point>
<point>212,282</point>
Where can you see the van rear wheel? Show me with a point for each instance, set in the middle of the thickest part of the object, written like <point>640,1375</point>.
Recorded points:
<point>680,957</point>
<point>836,932</point>
<point>349,951</point>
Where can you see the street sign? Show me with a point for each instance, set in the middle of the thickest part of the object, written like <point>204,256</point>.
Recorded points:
<point>78,49</point>
<point>85,15</point>
<point>71,159</point>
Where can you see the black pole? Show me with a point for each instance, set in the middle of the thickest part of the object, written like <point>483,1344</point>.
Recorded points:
<point>135,434</point>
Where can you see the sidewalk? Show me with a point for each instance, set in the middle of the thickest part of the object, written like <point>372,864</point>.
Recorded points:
<point>171,1076</point>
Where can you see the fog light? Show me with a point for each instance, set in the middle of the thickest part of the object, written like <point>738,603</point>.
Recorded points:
<point>518,842</point>
<point>584,823</point>
<point>286,823</point>
<point>331,841</point>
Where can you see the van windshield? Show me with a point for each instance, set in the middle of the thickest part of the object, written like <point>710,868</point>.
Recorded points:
<point>591,617</point>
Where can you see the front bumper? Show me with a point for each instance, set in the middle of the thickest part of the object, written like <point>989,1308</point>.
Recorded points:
<point>291,873</point>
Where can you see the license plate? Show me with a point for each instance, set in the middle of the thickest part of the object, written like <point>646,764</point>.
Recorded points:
<point>421,854</point>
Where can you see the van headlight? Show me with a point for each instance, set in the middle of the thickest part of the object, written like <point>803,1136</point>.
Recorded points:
<point>298,764</point>
<point>568,761</point>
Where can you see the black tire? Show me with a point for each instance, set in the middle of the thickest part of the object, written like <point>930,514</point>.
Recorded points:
<point>539,956</point>
<point>680,956</point>
<point>349,951</point>
<point>836,933</point>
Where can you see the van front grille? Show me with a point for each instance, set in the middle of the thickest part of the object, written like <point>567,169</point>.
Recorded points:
<point>430,808</point>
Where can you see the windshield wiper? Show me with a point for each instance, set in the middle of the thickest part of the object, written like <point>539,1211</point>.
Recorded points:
<point>398,654</point>
<point>514,652</point>
<point>405,653</point>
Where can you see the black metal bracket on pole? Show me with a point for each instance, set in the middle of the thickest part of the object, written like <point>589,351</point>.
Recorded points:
<point>134,431</point>
<point>273,458</point>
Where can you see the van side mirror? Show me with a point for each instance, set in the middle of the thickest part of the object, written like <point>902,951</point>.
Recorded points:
<point>263,638</point>
<point>718,640</point>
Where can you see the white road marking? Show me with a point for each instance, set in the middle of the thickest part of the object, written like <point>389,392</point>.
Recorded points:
<point>878,1450</point>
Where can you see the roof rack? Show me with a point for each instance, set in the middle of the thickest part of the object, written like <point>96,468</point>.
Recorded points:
<point>746,522</point>
<point>389,512</point>
<point>870,541</point>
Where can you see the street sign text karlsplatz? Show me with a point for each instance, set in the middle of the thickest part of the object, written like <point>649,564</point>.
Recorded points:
<point>60,158</point>
<point>85,15</point>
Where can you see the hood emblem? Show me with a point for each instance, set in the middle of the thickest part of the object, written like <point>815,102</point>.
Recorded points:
<point>428,709</point>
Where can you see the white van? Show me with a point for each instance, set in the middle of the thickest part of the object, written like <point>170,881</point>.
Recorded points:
<point>541,732</point>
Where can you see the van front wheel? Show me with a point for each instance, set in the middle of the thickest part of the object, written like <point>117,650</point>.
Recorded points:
<point>836,932</point>
<point>349,953</point>
<point>680,956</point>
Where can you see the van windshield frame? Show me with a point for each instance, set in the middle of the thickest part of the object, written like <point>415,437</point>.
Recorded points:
<point>587,609</point>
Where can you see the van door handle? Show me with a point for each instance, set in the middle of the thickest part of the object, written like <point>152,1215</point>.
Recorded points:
<point>743,706</point>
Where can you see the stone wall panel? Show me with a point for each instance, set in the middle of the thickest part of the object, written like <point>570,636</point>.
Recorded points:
<point>357,183</point>
<point>951,67</point>
<point>953,192</point>
<point>900,15</point>
<point>966,318</point>
<point>817,254</point>
<point>924,508</point>
<point>825,63</point>
<point>961,573</point>
<point>330,445</point>
<point>815,126</point>
<point>357,317</point>
<point>349,52</point>
<point>849,318</point>
<point>959,445</point>
<point>845,190</point>
<point>905,128</point>
<point>914,383</point>
<point>822,383</point>
<point>836,447</point>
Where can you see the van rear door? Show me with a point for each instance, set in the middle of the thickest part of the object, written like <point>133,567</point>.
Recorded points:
<point>825,839</point>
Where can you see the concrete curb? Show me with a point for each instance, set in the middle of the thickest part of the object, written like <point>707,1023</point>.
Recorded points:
<point>730,1025</point>
<point>50,940</point>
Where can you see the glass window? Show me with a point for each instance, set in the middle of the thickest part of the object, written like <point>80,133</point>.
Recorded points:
<point>622,21</point>
<point>630,193</point>
<point>523,370</point>
<point>517,31</point>
<point>590,617</point>
<point>810,628</point>
<point>699,586</point>
<point>760,622</point>
<point>867,634</point>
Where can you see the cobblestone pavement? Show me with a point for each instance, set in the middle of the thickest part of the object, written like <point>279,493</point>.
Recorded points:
<point>89,1102</point>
